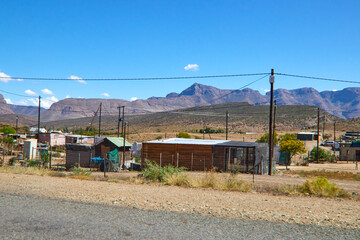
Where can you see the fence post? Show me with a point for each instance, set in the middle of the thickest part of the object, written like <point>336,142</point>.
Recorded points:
<point>192,160</point>
<point>79,161</point>
<point>172,160</point>
<point>90,160</point>
<point>177,159</point>
<point>160,158</point>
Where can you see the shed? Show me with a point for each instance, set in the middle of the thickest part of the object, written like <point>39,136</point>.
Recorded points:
<point>195,154</point>
<point>350,151</point>
<point>79,154</point>
<point>307,136</point>
<point>111,143</point>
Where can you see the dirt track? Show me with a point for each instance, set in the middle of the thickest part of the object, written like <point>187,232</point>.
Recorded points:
<point>302,210</point>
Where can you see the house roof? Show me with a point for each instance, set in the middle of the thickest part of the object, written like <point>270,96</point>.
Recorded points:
<point>117,141</point>
<point>242,144</point>
<point>188,141</point>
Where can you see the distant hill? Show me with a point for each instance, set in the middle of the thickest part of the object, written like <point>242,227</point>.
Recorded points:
<point>343,103</point>
<point>243,117</point>
<point>26,110</point>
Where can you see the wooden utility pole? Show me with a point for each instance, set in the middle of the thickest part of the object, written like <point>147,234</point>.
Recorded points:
<point>100,122</point>
<point>271,80</point>
<point>323,130</point>
<point>123,121</point>
<point>17,119</point>
<point>39,118</point>
<point>318,135</point>
<point>227,122</point>
<point>119,119</point>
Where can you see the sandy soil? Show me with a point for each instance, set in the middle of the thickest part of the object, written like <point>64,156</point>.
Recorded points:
<point>302,210</point>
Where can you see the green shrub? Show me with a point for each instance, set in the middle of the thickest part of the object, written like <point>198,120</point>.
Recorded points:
<point>78,171</point>
<point>154,172</point>
<point>321,187</point>
<point>183,135</point>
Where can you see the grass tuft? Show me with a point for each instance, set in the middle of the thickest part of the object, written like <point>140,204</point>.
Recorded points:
<point>321,187</point>
<point>154,172</point>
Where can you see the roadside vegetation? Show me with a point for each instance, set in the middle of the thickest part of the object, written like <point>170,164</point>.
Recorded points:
<point>340,175</point>
<point>319,186</point>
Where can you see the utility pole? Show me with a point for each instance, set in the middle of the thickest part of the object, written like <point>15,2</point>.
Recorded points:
<point>39,118</point>
<point>123,166</point>
<point>271,80</point>
<point>318,136</point>
<point>334,136</point>
<point>323,131</point>
<point>123,121</point>
<point>227,121</point>
<point>119,119</point>
<point>100,120</point>
<point>17,119</point>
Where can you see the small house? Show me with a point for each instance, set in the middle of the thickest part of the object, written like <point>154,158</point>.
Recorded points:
<point>198,155</point>
<point>349,151</point>
<point>79,155</point>
<point>109,144</point>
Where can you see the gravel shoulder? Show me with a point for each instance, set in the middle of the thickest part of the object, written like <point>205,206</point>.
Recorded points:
<point>301,210</point>
<point>32,217</point>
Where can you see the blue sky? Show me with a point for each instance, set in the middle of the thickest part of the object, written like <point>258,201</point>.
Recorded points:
<point>127,39</point>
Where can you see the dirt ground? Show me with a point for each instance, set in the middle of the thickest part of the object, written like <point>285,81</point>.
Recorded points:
<point>301,210</point>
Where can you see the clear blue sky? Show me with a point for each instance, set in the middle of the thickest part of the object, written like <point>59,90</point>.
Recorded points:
<point>121,39</point>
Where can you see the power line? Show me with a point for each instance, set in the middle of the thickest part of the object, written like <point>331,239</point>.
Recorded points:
<point>16,94</point>
<point>233,91</point>
<point>317,78</point>
<point>139,79</point>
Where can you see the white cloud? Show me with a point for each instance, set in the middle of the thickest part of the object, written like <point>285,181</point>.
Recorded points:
<point>5,78</point>
<point>8,101</point>
<point>133,99</point>
<point>105,94</point>
<point>76,78</point>
<point>334,90</point>
<point>31,93</point>
<point>266,90</point>
<point>29,101</point>
<point>46,102</point>
<point>192,67</point>
<point>20,80</point>
<point>47,92</point>
<point>67,96</point>
<point>80,97</point>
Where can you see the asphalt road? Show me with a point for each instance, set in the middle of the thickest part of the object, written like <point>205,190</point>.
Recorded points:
<point>29,217</point>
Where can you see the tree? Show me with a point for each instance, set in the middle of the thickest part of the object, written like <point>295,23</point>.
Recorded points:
<point>265,139</point>
<point>323,155</point>
<point>292,147</point>
<point>183,135</point>
<point>288,136</point>
<point>7,130</point>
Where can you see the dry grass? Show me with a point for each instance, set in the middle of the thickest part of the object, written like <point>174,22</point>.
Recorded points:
<point>26,170</point>
<point>178,179</point>
<point>340,175</point>
<point>214,181</point>
<point>81,177</point>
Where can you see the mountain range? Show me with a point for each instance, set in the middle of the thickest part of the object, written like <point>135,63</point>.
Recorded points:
<point>342,103</point>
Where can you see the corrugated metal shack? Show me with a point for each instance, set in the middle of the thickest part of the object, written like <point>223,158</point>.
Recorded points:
<point>202,155</point>
<point>111,143</point>
<point>79,154</point>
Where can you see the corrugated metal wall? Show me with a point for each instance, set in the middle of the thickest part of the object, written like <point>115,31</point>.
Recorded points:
<point>192,157</point>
